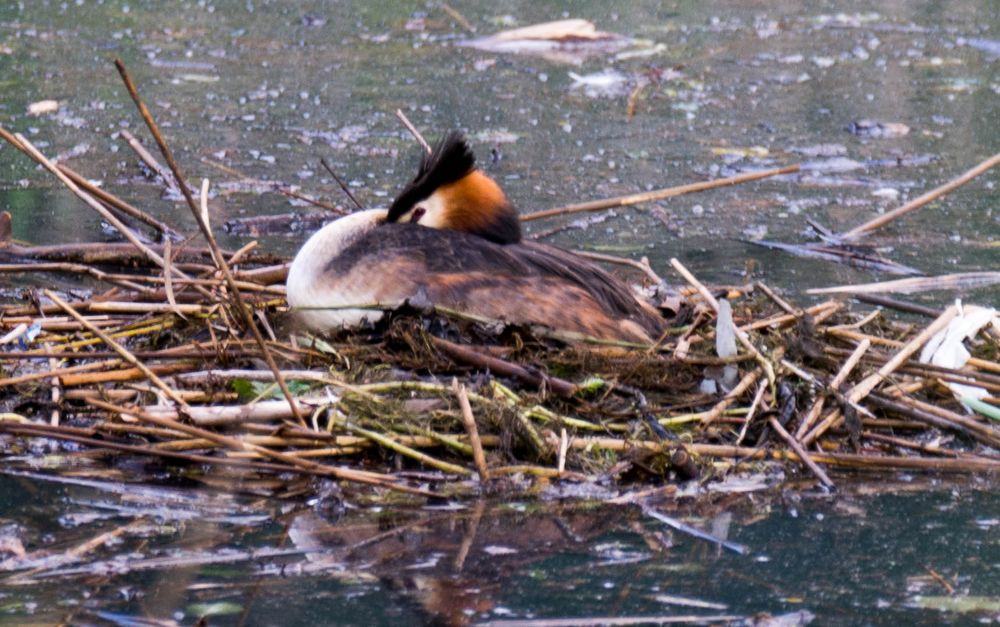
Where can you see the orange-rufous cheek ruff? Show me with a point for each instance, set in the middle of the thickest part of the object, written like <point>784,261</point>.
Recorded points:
<point>470,201</point>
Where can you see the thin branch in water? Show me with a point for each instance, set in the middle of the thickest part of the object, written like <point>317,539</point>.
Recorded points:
<point>916,203</point>
<point>342,184</point>
<point>458,17</point>
<point>413,131</point>
<point>660,194</point>
<point>312,201</point>
<point>150,160</point>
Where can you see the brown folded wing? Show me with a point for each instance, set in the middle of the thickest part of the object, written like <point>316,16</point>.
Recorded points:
<point>523,283</point>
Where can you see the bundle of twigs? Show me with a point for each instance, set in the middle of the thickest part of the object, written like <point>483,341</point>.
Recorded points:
<point>181,360</point>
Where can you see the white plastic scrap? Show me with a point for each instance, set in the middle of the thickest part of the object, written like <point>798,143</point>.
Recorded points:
<point>947,348</point>
<point>725,343</point>
<point>725,331</point>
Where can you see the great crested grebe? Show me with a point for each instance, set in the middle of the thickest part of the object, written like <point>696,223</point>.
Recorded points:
<point>472,259</point>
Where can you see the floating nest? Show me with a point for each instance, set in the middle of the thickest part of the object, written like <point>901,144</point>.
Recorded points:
<point>437,403</point>
<point>189,357</point>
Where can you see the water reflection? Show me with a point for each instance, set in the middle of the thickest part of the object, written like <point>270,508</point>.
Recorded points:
<point>108,549</point>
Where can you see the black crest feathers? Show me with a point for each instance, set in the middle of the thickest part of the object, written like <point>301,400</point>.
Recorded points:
<point>451,160</point>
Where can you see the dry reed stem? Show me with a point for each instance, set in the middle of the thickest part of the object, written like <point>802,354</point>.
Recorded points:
<point>909,444</point>
<point>810,464</point>
<point>413,131</point>
<point>407,451</point>
<point>470,427</point>
<point>865,386</point>
<point>941,417</point>
<point>458,17</point>
<point>206,231</point>
<point>168,286</point>
<point>860,390</point>
<point>346,474</point>
<point>660,194</point>
<point>563,449</point>
<point>223,415</point>
<point>859,324</point>
<point>56,372</point>
<point>779,301</point>
<point>132,281</point>
<point>819,313</point>
<point>35,430</point>
<point>751,412</point>
<point>56,395</point>
<point>102,195</point>
<point>923,199</point>
<point>973,362</point>
<point>121,350</point>
<point>150,161</point>
<point>838,380</point>
<point>470,356</point>
<point>645,268</point>
<point>713,414</point>
<point>957,281</point>
<point>90,200</point>
<point>746,453</point>
<point>126,374</point>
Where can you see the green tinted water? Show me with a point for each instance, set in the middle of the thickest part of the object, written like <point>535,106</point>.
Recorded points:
<point>267,88</point>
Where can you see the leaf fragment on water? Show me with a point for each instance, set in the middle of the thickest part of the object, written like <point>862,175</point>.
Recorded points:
<point>43,107</point>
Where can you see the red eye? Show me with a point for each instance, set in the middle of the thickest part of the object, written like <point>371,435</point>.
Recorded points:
<point>417,214</point>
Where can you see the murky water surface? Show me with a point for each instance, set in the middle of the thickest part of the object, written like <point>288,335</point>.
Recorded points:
<point>911,552</point>
<point>252,93</point>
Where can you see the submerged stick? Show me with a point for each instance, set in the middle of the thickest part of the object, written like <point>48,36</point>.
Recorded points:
<point>660,194</point>
<point>458,17</point>
<point>735,547</point>
<point>206,231</point>
<point>150,160</point>
<point>922,200</point>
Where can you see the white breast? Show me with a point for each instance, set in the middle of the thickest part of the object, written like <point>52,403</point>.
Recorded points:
<point>319,302</point>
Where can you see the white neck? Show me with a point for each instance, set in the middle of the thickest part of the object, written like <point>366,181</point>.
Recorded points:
<point>309,287</point>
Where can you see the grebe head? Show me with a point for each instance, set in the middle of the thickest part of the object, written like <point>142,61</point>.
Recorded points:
<point>450,193</point>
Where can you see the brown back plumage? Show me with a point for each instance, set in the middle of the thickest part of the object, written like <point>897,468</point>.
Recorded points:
<point>517,282</point>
